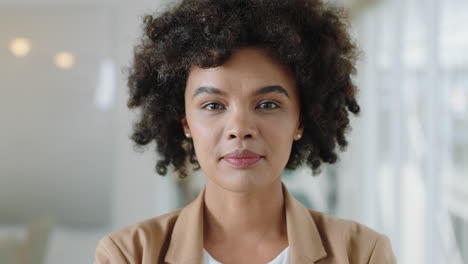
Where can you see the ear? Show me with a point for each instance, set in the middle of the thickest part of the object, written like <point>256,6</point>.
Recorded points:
<point>300,128</point>
<point>185,125</point>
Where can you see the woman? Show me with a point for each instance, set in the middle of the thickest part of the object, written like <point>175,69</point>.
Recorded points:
<point>244,89</point>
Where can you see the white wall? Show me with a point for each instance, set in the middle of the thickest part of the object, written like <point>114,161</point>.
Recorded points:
<point>97,183</point>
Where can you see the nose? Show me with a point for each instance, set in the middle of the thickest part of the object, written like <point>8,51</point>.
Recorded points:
<point>241,125</point>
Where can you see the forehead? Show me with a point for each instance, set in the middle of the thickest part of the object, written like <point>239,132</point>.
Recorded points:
<point>247,69</point>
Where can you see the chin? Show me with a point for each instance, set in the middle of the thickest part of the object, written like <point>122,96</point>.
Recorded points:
<point>241,181</point>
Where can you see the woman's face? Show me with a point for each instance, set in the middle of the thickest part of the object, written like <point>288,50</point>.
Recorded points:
<point>250,102</point>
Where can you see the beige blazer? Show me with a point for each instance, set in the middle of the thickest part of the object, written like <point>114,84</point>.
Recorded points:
<point>177,238</point>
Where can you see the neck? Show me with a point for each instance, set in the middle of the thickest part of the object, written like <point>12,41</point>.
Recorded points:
<point>244,216</point>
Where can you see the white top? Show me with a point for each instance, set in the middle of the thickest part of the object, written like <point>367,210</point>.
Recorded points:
<point>282,258</point>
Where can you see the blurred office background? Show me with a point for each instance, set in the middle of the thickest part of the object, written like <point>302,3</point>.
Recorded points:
<point>69,174</point>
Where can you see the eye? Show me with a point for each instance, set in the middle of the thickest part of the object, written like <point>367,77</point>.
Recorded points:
<point>210,105</point>
<point>270,103</point>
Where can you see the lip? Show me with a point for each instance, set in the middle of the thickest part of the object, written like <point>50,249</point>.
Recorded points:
<point>242,158</point>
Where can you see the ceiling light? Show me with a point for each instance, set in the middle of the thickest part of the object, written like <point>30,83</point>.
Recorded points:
<point>64,60</point>
<point>20,47</point>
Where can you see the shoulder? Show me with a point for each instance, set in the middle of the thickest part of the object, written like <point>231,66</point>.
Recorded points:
<point>147,230</point>
<point>344,228</point>
<point>354,241</point>
<point>130,243</point>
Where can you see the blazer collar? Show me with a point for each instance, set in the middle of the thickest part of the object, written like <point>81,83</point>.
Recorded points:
<point>186,245</point>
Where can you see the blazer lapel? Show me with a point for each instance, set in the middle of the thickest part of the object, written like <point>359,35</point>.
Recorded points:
<point>305,243</point>
<point>186,245</point>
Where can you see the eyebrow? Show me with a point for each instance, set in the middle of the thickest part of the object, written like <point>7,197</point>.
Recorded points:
<point>263,90</point>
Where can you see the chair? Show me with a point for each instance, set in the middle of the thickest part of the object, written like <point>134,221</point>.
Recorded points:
<point>9,249</point>
<point>35,247</point>
<point>31,250</point>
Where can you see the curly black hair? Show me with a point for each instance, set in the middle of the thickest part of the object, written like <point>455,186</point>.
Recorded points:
<point>309,37</point>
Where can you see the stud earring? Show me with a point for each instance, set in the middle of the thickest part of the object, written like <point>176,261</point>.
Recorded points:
<point>298,136</point>
<point>187,135</point>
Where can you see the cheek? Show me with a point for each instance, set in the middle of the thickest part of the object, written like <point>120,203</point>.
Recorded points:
<point>204,139</point>
<point>279,130</point>
<point>278,139</point>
